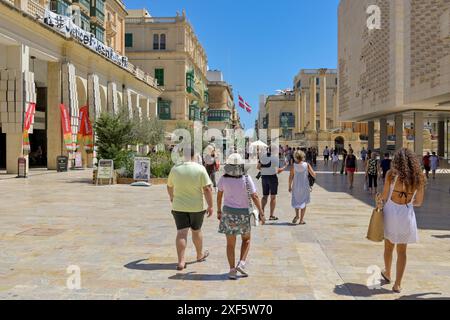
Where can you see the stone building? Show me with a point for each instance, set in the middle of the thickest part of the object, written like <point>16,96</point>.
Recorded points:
<point>394,72</point>
<point>49,58</point>
<point>222,113</point>
<point>168,48</point>
<point>307,115</point>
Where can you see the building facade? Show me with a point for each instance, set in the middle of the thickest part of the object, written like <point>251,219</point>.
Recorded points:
<point>168,48</point>
<point>222,113</point>
<point>394,71</point>
<point>48,59</point>
<point>307,115</point>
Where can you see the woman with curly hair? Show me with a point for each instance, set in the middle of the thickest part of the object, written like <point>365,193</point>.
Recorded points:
<point>403,190</point>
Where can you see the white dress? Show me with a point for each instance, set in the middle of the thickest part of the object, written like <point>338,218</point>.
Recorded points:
<point>301,191</point>
<point>400,226</point>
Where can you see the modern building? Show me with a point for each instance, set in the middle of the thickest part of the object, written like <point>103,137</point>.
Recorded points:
<point>307,115</point>
<point>168,48</point>
<point>394,72</point>
<point>50,58</point>
<point>222,113</point>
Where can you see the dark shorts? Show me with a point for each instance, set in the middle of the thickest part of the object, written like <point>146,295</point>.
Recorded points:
<point>427,168</point>
<point>185,220</point>
<point>326,158</point>
<point>270,185</point>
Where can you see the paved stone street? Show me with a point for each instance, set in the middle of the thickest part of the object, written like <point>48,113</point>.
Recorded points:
<point>122,238</point>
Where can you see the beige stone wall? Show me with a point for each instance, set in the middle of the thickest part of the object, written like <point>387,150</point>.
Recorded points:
<point>403,65</point>
<point>115,22</point>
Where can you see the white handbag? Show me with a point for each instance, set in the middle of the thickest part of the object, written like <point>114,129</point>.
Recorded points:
<point>254,214</point>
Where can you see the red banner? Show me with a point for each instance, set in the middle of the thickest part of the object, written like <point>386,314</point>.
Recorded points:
<point>85,132</point>
<point>26,126</point>
<point>66,128</point>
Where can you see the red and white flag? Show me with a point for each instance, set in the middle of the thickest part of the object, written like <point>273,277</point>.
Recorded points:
<point>244,105</point>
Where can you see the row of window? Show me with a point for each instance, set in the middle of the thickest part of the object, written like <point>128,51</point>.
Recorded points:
<point>287,120</point>
<point>159,41</point>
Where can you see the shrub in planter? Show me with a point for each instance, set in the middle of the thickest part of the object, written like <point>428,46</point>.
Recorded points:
<point>160,164</point>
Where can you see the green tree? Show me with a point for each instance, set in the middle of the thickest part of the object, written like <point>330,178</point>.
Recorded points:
<point>113,134</point>
<point>148,131</point>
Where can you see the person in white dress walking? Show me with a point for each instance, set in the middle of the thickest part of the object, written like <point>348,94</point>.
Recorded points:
<point>403,190</point>
<point>299,186</point>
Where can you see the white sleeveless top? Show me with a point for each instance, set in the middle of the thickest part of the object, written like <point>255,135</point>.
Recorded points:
<point>400,225</point>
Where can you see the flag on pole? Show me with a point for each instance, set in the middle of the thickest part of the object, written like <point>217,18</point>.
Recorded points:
<point>26,126</point>
<point>244,105</point>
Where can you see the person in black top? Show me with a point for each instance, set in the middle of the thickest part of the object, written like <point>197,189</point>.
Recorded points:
<point>350,167</point>
<point>344,158</point>
<point>385,165</point>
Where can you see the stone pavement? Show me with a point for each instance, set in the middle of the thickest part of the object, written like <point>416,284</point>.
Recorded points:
<point>122,239</point>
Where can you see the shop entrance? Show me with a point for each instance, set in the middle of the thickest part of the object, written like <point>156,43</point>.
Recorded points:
<point>2,151</point>
<point>38,140</point>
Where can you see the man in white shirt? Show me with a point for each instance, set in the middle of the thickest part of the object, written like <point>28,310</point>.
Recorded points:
<point>269,167</point>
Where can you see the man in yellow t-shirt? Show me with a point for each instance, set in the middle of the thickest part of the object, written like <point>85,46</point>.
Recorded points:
<point>188,183</point>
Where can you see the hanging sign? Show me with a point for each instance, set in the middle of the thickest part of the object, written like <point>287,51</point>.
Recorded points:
<point>68,28</point>
<point>85,132</point>
<point>67,128</point>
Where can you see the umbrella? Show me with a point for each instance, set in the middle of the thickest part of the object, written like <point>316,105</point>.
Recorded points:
<point>259,144</point>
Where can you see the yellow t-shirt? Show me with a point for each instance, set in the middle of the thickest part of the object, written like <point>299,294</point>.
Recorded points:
<point>188,180</point>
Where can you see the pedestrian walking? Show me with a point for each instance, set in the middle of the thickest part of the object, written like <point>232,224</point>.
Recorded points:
<point>211,164</point>
<point>187,184</point>
<point>372,170</point>
<point>427,164</point>
<point>363,155</point>
<point>350,167</point>
<point>403,190</point>
<point>335,161</point>
<point>344,159</point>
<point>269,167</point>
<point>299,186</point>
<point>434,164</point>
<point>236,192</point>
<point>326,155</point>
<point>386,165</point>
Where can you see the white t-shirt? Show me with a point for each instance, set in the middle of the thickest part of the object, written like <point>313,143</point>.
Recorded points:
<point>335,157</point>
<point>267,170</point>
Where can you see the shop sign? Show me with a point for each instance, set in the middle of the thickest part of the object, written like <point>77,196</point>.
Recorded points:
<point>67,27</point>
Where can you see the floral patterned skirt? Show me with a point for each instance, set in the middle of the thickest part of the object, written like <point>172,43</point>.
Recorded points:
<point>235,221</point>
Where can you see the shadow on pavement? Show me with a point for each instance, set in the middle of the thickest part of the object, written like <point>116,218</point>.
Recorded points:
<point>137,265</point>
<point>192,276</point>
<point>433,215</point>
<point>422,296</point>
<point>359,290</point>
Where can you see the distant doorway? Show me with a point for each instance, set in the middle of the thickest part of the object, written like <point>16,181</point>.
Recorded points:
<point>339,144</point>
<point>2,151</point>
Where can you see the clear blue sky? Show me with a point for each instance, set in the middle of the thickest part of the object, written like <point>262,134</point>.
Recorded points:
<point>259,45</point>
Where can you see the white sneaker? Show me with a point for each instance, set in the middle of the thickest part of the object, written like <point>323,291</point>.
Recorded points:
<point>232,275</point>
<point>241,268</point>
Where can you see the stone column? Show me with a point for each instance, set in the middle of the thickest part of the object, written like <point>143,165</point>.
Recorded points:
<point>418,133</point>
<point>303,111</point>
<point>144,104</point>
<point>398,131</point>
<point>441,138</point>
<point>112,98</point>
<point>17,58</point>
<point>323,100</point>
<point>371,142</point>
<point>383,135</point>
<point>312,104</point>
<point>335,110</point>
<point>54,134</point>
<point>298,112</point>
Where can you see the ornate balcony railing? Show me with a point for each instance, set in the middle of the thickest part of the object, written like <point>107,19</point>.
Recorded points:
<point>35,9</point>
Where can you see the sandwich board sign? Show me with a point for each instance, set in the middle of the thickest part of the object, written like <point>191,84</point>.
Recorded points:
<point>141,170</point>
<point>105,170</point>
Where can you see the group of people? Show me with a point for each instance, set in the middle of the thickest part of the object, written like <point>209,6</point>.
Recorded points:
<point>189,182</point>
<point>237,197</point>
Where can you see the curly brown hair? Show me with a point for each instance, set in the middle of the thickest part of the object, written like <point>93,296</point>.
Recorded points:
<point>406,166</point>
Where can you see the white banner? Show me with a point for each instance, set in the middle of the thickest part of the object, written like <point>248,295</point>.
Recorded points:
<point>66,26</point>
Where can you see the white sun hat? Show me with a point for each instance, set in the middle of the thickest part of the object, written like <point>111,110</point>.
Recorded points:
<point>235,159</point>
